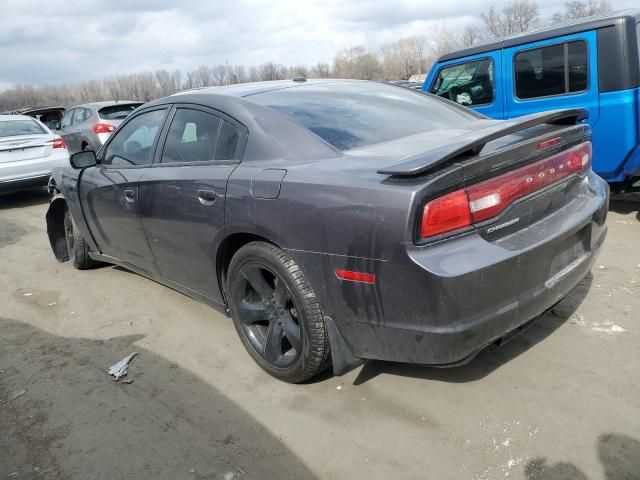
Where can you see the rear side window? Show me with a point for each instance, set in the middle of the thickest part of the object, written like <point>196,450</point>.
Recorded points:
<point>117,112</point>
<point>14,128</point>
<point>469,83</point>
<point>227,142</point>
<point>133,143</point>
<point>355,114</point>
<point>554,70</point>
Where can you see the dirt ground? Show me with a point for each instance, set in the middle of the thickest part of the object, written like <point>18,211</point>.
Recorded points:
<point>560,402</point>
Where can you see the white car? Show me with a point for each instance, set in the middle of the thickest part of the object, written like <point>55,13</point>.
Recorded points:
<point>28,153</point>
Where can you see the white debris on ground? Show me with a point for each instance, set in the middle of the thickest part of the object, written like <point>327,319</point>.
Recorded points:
<point>579,320</point>
<point>503,446</point>
<point>607,327</point>
<point>120,369</point>
<point>604,327</point>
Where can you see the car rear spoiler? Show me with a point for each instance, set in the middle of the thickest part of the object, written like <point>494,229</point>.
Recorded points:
<point>474,142</point>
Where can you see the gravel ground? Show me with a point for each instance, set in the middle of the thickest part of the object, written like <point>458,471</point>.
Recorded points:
<point>561,401</point>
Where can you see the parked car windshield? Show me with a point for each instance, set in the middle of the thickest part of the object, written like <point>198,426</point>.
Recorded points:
<point>13,128</point>
<point>356,114</point>
<point>117,112</point>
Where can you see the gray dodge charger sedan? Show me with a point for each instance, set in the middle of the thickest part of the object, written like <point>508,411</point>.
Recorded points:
<point>337,221</point>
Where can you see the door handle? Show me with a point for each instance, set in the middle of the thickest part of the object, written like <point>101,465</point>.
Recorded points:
<point>207,197</point>
<point>129,195</point>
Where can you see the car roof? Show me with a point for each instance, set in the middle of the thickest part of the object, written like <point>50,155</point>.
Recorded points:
<point>568,28</point>
<point>6,118</point>
<point>252,88</point>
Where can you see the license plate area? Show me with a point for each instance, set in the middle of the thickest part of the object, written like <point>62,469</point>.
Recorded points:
<point>571,252</point>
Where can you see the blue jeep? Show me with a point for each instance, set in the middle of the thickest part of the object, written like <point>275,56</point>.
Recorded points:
<point>593,63</point>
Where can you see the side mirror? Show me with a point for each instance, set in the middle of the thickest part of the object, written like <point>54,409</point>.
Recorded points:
<point>84,159</point>
<point>55,125</point>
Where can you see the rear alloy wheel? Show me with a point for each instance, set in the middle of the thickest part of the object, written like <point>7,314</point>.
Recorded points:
<point>76,245</point>
<point>277,314</point>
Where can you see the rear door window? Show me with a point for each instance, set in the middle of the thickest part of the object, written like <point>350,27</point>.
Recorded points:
<point>469,83</point>
<point>197,136</point>
<point>191,137</point>
<point>553,70</point>
<point>66,120</point>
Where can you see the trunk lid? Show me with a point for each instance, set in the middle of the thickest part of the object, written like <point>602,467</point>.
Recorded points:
<point>25,147</point>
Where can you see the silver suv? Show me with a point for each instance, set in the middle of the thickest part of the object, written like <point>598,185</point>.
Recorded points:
<point>87,126</point>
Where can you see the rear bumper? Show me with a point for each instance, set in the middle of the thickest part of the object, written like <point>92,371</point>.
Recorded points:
<point>35,172</point>
<point>15,185</point>
<point>440,304</point>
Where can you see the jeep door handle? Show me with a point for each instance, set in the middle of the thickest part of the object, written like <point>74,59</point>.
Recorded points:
<point>129,195</point>
<point>207,197</point>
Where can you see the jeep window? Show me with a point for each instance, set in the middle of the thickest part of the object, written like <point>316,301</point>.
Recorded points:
<point>554,70</point>
<point>469,83</point>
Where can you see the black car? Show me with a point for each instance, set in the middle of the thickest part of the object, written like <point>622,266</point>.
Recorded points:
<point>49,116</point>
<point>340,220</point>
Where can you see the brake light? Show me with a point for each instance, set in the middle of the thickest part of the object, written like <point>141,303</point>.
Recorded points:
<point>482,201</point>
<point>549,143</point>
<point>58,143</point>
<point>103,128</point>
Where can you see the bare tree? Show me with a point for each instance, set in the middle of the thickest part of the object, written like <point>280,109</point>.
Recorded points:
<point>576,9</point>
<point>472,35</point>
<point>272,71</point>
<point>356,62</point>
<point>203,76</point>
<point>320,70</point>
<point>516,17</point>
<point>404,57</point>
<point>298,71</point>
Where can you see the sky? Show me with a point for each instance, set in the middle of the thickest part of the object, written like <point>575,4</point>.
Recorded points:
<point>67,41</point>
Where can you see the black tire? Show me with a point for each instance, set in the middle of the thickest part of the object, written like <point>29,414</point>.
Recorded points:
<point>76,245</point>
<point>267,309</point>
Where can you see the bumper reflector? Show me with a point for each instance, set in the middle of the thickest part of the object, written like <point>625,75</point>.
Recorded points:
<point>351,276</point>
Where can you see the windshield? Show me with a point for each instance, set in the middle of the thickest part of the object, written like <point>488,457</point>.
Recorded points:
<point>356,114</point>
<point>117,112</point>
<point>14,128</point>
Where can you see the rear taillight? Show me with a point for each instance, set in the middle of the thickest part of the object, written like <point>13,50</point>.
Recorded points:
<point>446,214</point>
<point>58,143</point>
<point>482,201</point>
<point>103,128</point>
